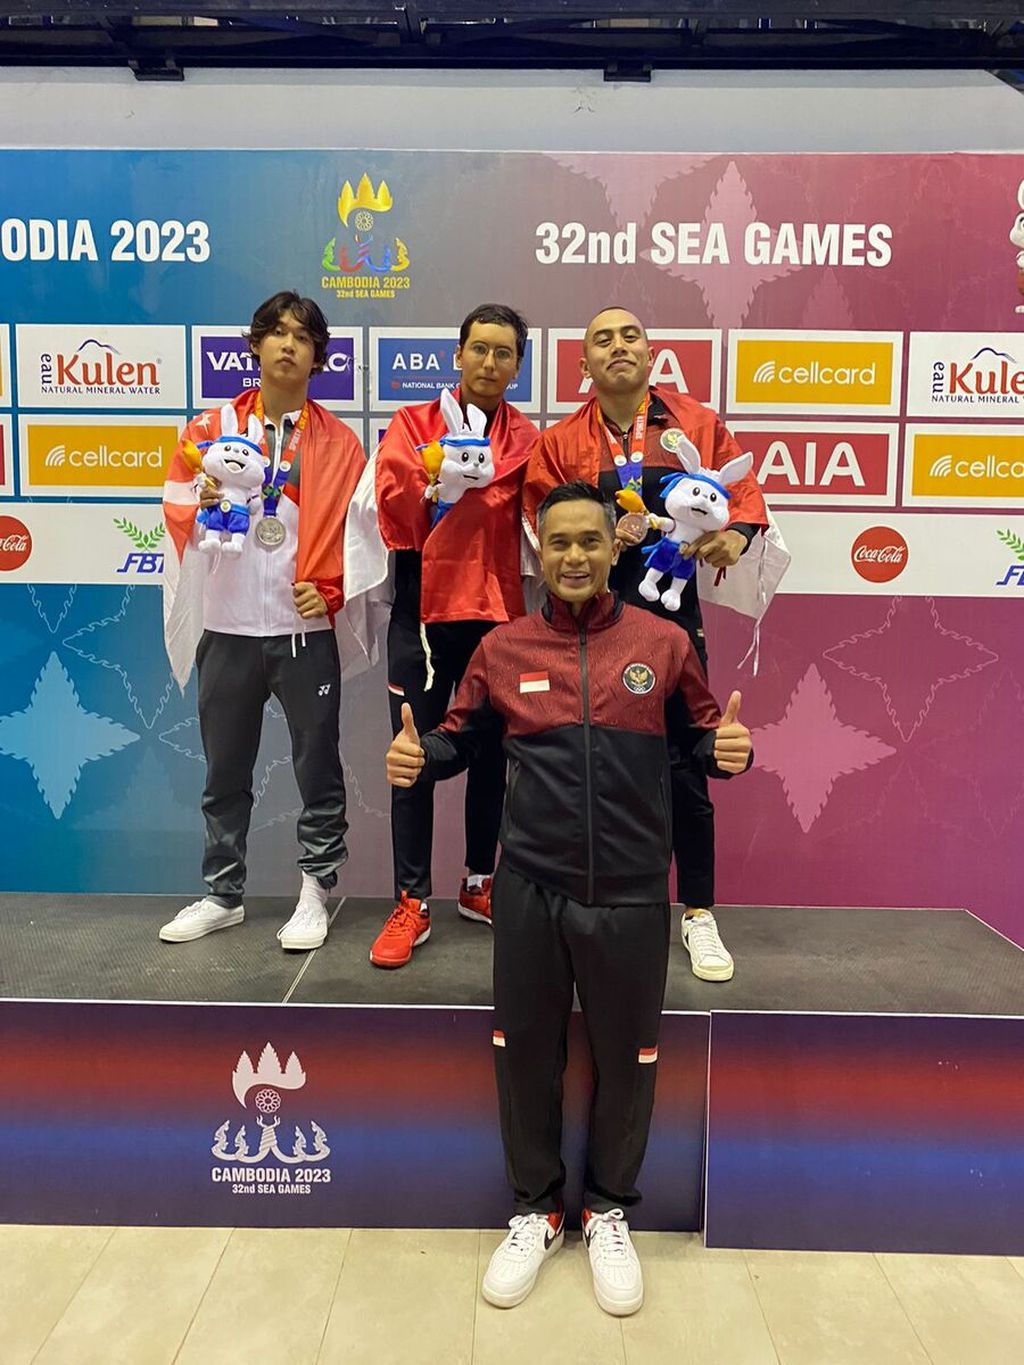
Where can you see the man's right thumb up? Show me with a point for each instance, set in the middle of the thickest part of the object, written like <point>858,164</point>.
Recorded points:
<point>408,727</point>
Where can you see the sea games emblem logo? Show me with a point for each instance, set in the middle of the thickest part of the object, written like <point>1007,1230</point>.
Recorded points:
<point>363,260</point>
<point>249,1162</point>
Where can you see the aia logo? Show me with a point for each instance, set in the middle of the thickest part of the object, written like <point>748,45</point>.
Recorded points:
<point>879,554</point>
<point>683,361</point>
<point>15,543</point>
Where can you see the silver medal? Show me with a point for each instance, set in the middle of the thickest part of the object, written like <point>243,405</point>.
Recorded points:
<point>270,532</point>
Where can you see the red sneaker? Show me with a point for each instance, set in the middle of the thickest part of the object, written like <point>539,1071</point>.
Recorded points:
<point>476,904</point>
<point>405,928</point>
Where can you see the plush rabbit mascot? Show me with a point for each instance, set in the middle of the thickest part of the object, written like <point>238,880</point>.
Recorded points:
<point>1017,238</point>
<point>239,465</point>
<point>696,501</point>
<point>460,460</point>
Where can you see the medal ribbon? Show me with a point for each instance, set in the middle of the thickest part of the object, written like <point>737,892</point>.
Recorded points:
<point>272,491</point>
<point>630,468</point>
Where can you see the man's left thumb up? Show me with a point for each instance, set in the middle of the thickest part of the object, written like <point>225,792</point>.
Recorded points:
<point>732,711</point>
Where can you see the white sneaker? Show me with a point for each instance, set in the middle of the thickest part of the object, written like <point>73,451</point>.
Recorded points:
<point>199,919</point>
<point>307,927</point>
<point>614,1264</point>
<point>710,959</point>
<point>515,1265</point>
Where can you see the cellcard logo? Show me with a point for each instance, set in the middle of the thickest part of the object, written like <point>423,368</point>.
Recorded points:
<point>682,362</point>
<point>223,366</point>
<point>272,1152</point>
<point>75,367</point>
<point>970,466</point>
<point>978,374</point>
<point>814,372</point>
<point>95,458</point>
<point>415,365</point>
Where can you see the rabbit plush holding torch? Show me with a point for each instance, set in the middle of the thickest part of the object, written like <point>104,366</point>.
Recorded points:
<point>696,501</point>
<point>460,460</point>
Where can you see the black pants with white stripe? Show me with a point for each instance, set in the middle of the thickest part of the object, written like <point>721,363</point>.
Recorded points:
<point>237,676</point>
<point>428,691</point>
<point>617,958</point>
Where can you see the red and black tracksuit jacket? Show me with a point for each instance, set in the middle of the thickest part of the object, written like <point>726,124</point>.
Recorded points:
<point>581,702</point>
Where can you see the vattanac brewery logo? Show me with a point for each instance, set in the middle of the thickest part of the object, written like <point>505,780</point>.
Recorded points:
<point>363,260</point>
<point>270,1153</point>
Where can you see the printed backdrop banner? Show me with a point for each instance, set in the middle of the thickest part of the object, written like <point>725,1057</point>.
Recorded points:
<point>855,319</point>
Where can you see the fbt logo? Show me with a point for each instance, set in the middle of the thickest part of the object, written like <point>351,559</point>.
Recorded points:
<point>144,559</point>
<point>413,366</point>
<point>223,366</point>
<point>879,554</point>
<point>15,543</point>
<point>811,372</point>
<point>1014,575</point>
<point>978,374</point>
<point>848,464</point>
<point>683,361</point>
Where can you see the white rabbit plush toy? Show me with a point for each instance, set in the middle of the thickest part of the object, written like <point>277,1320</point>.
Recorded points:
<point>1017,238</point>
<point>697,501</point>
<point>460,460</point>
<point>239,465</point>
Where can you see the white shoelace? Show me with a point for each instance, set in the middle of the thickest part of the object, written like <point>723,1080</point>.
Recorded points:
<point>703,934</point>
<point>606,1231</point>
<point>527,1232</point>
<point>308,915</point>
<point>196,908</point>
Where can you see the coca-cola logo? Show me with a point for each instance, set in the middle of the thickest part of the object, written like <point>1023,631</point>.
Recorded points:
<point>15,543</point>
<point>879,554</point>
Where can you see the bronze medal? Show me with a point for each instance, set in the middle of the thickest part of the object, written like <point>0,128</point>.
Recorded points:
<point>634,525</point>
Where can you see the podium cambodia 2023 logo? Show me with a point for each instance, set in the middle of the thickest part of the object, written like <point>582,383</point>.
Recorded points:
<point>270,1151</point>
<point>365,259</point>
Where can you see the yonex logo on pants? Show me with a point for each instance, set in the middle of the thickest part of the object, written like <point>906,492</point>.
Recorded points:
<point>323,689</point>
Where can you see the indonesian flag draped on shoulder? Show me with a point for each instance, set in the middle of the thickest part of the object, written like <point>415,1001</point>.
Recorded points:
<point>471,561</point>
<point>572,450</point>
<point>331,461</point>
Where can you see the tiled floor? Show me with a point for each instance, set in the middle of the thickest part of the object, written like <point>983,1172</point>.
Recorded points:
<point>210,1296</point>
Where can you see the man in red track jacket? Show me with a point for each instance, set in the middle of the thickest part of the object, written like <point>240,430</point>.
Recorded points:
<point>578,690</point>
<point>613,439</point>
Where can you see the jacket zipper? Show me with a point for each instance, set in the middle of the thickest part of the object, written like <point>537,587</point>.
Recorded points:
<point>587,778</point>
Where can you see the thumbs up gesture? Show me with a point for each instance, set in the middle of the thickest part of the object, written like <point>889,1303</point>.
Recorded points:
<point>405,757</point>
<point>732,739</point>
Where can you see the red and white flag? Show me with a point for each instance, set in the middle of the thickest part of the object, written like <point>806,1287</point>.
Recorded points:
<point>534,682</point>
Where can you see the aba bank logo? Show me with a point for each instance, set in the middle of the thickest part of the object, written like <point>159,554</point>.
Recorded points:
<point>1014,575</point>
<point>116,366</point>
<point>144,560</point>
<point>365,259</point>
<point>683,362</point>
<point>15,543</point>
<point>973,466</point>
<point>226,366</point>
<point>802,371</point>
<point>848,463</point>
<point>413,367</point>
<point>272,1152</point>
<point>965,372</point>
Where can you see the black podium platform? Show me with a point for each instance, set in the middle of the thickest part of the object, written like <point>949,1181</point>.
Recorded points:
<point>859,1084</point>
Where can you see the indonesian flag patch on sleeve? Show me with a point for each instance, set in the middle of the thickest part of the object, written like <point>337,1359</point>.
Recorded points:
<point>647,1055</point>
<point>534,682</point>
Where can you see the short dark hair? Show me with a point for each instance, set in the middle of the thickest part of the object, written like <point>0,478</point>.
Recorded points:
<point>499,315</point>
<point>576,491</point>
<point>305,311</point>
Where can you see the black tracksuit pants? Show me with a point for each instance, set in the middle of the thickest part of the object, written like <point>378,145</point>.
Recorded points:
<point>617,957</point>
<point>428,691</point>
<point>237,676</point>
<point>693,815</point>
